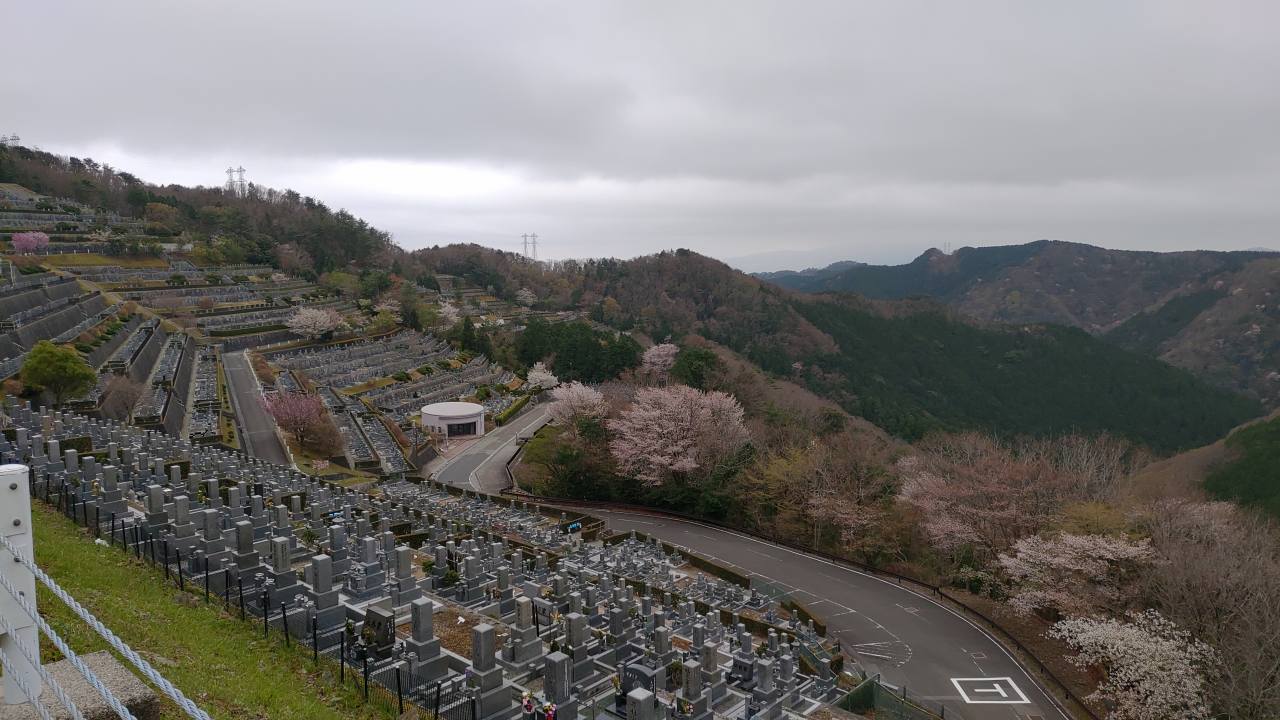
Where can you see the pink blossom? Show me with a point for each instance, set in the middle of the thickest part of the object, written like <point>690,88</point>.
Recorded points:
<point>674,430</point>
<point>27,242</point>
<point>575,401</point>
<point>658,361</point>
<point>1074,574</point>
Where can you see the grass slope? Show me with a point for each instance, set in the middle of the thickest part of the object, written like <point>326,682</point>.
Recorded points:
<point>1252,475</point>
<point>220,662</point>
<point>921,371</point>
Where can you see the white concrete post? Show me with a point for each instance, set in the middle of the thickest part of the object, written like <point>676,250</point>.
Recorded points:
<point>15,525</point>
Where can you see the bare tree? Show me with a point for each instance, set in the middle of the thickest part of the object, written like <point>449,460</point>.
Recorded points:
<point>119,397</point>
<point>1218,575</point>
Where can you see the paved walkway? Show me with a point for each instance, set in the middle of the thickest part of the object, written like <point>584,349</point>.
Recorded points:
<point>257,429</point>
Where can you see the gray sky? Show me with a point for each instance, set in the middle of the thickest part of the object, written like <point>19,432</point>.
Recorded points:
<point>770,134</point>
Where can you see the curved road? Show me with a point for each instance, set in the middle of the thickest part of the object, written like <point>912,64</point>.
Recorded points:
<point>911,640</point>
<point>908,638</point>
<point>480,466</point>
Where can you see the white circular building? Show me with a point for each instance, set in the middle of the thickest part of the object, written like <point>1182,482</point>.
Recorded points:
<point>454,419</point>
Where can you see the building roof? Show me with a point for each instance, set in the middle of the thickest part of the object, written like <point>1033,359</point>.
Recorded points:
<point>453,409</point>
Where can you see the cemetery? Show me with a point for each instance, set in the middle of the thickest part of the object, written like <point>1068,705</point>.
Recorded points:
<point>549,614</point>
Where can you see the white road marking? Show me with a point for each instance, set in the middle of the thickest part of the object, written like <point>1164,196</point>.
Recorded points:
<point>1049,697</point>
<point>990,691</point>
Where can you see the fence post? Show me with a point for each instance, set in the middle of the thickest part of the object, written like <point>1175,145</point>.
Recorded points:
<point>436,712</point>
<point>365,672</point>
<point>182,584</point>
<point>399,692</point>
<point>342,658</point>
<point>266,614</point>
<point>240,589</point>
<point>16,527</point>
<point>284,622</point>
<point>315,640</point>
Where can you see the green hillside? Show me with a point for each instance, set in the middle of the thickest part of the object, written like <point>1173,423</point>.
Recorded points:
<point>1252,477</point>
<point>1146,331</point>
<point>913,372</point>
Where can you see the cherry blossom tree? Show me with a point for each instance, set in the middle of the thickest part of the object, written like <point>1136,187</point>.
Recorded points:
<point>293,259</point>
<point>388,305</point>
<point>658,361</point>
<point>1154,670</point>
<point>541,378</point>
<point>575,401</point>
<point>676,430</point>
<point>525,297</point>
<point>296,413</point>
<point>972,491</point>
<point>314,322</point>
<point>29,242</point>
<point>1218,575</point>
<point>449,314</point>
<point>1074,574</point>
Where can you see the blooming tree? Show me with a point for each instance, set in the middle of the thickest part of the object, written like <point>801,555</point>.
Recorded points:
<point>575,401</point>
<point>658,361</point>
<point>676,430</point>
<point>388,305</point>
<point>314,322</point>
<point>1074,574</point>
<point>297,414</point>
<point>29,242</point>
<point>525,297</point>
<point>1154,669</point>
<point>293,258</point>
<point>542,378</point>
<point>449,314</point>
<point>972,491</point>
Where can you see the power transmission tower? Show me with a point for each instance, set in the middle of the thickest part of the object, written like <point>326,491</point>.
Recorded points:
<point>241,185</point>
<point>525,238</point>
<point>533,243</point>
<point>231,181</point>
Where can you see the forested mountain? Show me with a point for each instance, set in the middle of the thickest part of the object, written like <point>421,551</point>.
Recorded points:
<point>246,228</point>
<point>908,365</point>
<point>1212,313</point>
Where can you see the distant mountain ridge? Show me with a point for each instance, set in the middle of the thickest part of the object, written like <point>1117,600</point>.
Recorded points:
<point>1215,313</point>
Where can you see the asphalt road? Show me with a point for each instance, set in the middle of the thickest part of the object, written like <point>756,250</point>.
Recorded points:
<point>480,466</point>
<point>908,638</point>
<point>257,429</point>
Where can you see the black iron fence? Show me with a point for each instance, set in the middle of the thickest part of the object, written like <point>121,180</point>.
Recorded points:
<point>388,682</point>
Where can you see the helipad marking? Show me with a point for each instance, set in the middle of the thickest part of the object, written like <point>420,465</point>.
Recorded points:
<point>990,691</point>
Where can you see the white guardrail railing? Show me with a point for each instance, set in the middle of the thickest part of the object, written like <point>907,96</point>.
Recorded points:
<point>25,679</point>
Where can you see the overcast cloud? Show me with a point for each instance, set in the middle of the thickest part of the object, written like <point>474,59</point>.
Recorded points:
<point>772,134</point>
